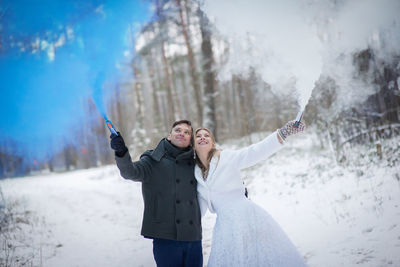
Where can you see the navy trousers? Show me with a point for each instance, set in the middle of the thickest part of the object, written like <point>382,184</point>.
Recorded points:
<point>171,253</point>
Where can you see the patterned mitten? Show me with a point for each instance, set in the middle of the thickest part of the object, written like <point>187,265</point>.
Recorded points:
<point>289,129</point>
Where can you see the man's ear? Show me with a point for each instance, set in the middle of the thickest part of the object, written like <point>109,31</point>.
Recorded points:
<point>169,137</point>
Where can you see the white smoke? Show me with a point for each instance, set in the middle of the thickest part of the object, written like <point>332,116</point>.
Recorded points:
<point>293,42</point>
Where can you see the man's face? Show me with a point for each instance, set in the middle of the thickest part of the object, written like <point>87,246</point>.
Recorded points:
<point>180,135</point>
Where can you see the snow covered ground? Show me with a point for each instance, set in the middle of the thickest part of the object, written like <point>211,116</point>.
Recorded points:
<point>336,216</point>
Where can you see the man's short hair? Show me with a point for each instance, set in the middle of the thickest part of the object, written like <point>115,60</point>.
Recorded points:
<point>182,122</point>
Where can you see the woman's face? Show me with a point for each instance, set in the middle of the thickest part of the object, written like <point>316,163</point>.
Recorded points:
<point>203,141</point>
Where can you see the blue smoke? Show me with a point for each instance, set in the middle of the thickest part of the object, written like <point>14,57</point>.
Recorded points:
<point>43,95</point>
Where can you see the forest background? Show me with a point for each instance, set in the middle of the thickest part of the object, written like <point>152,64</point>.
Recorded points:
<point>231,68</point>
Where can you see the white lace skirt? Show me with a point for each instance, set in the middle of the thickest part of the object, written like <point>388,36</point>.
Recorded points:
<point>246,235</point>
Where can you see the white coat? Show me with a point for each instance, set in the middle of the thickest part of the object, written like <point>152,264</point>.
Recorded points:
<point>224,173</point>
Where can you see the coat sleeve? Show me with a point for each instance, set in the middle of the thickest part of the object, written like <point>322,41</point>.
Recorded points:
<point>139,171</point>
<point>249,156</point>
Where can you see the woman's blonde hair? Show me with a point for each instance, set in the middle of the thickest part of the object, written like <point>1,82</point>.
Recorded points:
<point>204,169</point>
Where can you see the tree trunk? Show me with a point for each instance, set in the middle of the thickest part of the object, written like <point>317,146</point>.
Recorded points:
<point>187,99</point>
<point>175,96</point>
<point>159,96</point>
<point>192,64</point>
<point>138,97</point>
<point>237,131</point>
<point>208,75</point>
<point>243,109</point>
<point>119,111</point>
<point>171,106</point>
<point>155,106</point>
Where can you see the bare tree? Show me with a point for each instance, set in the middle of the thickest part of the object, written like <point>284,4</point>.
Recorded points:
<point>208,74</point>
<point>191,59</point>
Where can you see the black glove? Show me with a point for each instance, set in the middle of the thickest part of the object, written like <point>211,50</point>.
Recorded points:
<point>118,144</point>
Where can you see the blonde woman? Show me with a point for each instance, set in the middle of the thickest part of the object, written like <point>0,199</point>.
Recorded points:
<point>244,234</point>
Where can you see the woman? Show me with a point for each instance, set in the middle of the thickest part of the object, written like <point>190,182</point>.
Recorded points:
<point>244,233</point>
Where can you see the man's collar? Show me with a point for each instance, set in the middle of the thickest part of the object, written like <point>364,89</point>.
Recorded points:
<point>164,146</point>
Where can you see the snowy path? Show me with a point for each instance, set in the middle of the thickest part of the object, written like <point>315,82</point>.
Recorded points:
<point>94,217</point>
<point>336,217</point>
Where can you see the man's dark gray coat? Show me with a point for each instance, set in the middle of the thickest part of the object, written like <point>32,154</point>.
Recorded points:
<point>169,189</point>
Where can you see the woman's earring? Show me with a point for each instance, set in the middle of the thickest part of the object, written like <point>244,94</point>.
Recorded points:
<point>194,154</point>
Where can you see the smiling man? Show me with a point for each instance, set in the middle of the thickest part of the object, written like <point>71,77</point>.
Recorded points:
<point>171,212</point>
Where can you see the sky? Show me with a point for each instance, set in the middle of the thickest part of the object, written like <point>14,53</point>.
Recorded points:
<point>75,48</point>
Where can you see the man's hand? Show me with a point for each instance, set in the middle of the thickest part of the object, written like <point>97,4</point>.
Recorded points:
<point>118,145</point>
<point>289,129</point>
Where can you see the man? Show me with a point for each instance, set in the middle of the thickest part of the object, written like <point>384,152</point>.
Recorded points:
<point>171,211</point>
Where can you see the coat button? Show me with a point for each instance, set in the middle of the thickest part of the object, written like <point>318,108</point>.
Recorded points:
<point>191,202</point>
<point>190,222</point>
<point>178,221</point>
<point>192,182</point>
<point>178,201</point>
<point>177,181</point>
<point>189,163</point>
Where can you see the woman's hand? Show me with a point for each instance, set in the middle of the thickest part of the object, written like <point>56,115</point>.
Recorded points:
<point>289,129</point>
